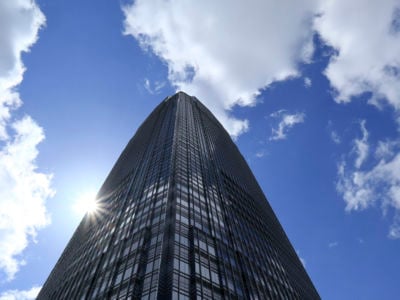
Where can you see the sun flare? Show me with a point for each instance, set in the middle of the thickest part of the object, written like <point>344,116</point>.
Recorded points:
<point>86,203</point>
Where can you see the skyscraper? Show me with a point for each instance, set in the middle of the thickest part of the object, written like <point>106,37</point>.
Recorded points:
<point>181,217</point>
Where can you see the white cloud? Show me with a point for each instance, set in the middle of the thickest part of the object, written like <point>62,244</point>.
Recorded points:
<point>21,294</point>
<point>224,52</point>
<point>20,21</point>
<point>361,146</point>
<point>367,41</point>
<point>377,184</point>
<point>23,190</point>
<point>287,122</point>
<point>210,53</point>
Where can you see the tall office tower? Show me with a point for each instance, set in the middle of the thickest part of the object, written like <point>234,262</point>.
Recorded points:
<point>182,217</point>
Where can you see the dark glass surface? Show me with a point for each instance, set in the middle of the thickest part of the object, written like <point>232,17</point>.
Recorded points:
<point>182,218</point>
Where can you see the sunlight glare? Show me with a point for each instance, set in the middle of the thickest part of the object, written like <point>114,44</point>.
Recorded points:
<point>86,203</point>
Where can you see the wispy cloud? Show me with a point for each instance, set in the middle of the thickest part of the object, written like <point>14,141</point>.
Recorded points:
<point>303,261</point>
<point>154,88</point>
<point>30,294</point>
<point>260,153</point>
<point>287,121</point>
<point>361,146</point>
<point>333,244</point>
<point>307,82</point>
<point>229,71</point>
<point>335,137</point>
<point>378,184</point>
<point>23,189</point>
<point>386,149</point>
<point>394,230</point>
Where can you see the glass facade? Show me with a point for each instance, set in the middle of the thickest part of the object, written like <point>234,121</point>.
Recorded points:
<point>182,217</point>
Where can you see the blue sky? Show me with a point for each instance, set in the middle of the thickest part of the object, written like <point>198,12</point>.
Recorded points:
<point>310,90</point>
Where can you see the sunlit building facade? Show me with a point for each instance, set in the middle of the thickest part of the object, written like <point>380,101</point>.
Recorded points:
<point>181,217</point>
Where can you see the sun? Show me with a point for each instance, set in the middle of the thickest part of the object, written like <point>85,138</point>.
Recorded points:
<point>86,203</point>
